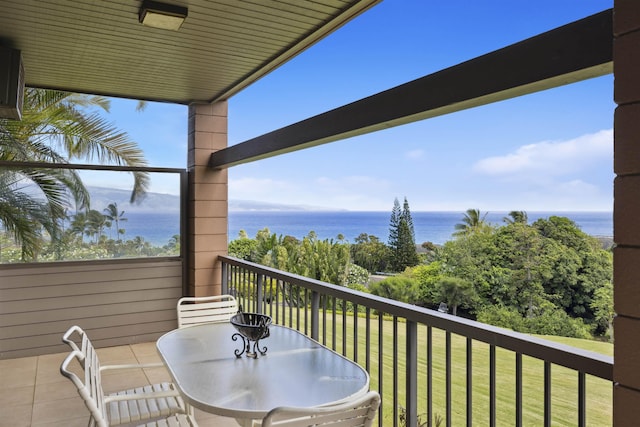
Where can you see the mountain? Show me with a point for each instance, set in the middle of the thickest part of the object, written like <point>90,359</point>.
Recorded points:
<point>153,202</point>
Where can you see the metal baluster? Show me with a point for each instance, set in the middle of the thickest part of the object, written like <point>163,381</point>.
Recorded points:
<point>469,382</point>
<point>518,389</point>
<point>492,385</point>
<point>290,305</point>
<point>315,309</point>
<point>225,278</point>
<point>324,319</point>
<point>368,340</point>
<point>429,376</point>
<point>412,374</point>
<point>582,403</point>
<point>259,293</point>
<point>306,311</point>
<point>448,376</point>
<point>395,371</point>
<point>547,394</point>
<point>278,286</point>
<point>355,333</point>
<point>380,363</point>
<point>344,328</point>
<point>335,325</point>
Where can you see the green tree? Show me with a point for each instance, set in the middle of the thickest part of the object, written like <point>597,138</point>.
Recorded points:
<point>526,255</point>
<point>399,288</point>
<point>428,276</point>
<point>516,216</point>
<point>115,216</point>
<point>78,225</point>
<point>173,245</point>
<point>473,220</point>
<point>406,215</point>
<point>402,240</point>
<point>96,222</point>
<point>582,266</point>
<point>357,276</point>
<point>476,258</point>
<point>456,292</point>
<point>394,223</point>
<point>56,127</point>
<point>243,246</point>
<point>370,253</point>
<point>602,305</point>
<point>324,260</point>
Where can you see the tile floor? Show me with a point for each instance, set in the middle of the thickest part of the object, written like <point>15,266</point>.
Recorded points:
<point>34,393</point>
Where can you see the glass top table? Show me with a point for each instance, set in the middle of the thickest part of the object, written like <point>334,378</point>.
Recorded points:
<point>295,371</point>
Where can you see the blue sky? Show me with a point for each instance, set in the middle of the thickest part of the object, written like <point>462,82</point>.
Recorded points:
<point>548,151</point>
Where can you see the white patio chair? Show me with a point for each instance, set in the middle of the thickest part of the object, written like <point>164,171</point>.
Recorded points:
<point>358,412</point>
<point>126,406</point>
<point>91,392</point>
<point>197,310</point>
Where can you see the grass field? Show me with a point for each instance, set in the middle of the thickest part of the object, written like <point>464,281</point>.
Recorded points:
<point>563,389</point>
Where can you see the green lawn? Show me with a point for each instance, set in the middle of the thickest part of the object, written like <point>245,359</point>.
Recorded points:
<point>564,381</point>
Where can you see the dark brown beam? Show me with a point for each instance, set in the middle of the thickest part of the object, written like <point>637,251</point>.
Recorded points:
<point>568,54</point>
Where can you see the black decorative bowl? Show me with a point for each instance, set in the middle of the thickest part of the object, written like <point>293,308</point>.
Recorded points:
<point>252,326</point>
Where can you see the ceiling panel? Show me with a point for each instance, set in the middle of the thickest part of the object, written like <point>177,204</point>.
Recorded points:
<point>99,47</point>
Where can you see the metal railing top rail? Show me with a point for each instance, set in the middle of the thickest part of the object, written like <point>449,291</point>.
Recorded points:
<point>589,362</point>
<point>83,166</point>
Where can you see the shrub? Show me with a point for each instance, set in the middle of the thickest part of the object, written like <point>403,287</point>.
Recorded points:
<point>549,322</point>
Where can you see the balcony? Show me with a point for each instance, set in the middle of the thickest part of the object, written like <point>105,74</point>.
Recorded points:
<point>421,361</point>
<point>431,367</point>
<point>135,299</point>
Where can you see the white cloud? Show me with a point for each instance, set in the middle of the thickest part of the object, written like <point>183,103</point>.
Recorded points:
<point>360,183</point>
<point>259,188</point>
<point>414,154</point>
<point>551,157</point>
<point>358,192</point>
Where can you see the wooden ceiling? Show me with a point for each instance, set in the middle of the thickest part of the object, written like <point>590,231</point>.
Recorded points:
<point>99,46</point>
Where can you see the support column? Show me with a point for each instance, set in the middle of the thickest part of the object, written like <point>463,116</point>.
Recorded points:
<point>626,220</point>
<point>207,201</point>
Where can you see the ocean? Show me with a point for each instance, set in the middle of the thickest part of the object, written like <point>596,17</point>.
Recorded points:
<point>436,227</point>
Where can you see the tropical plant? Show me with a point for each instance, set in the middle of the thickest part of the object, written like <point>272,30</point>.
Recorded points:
<point>369,252</point>
<point>456,292</point>
<point>399,288</point>
<point>56,128</point>
<point>115,216</point>
<point>472,220</point>
<point>96,222</point>
<point>516,217</point>
<point>602,306</point>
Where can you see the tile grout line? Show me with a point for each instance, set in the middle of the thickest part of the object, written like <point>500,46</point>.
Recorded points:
<point>35,385</point>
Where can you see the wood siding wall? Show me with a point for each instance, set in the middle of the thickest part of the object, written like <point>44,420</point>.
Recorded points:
<point>116,302</point>
<point>626,224</point>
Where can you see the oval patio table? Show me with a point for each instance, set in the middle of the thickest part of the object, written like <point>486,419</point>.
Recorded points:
<point>295,371</point>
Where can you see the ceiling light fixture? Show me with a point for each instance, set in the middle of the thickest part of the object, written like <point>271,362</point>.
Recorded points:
<point>162,15</point>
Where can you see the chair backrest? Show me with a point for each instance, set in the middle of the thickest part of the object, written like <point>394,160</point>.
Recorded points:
<point>83,345</point>
<point>91,388</point>
<point>358,412</point>
<point>198,310</point>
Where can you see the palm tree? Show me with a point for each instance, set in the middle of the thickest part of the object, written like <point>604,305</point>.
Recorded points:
<point>473,220</point>
<point>96,222</point>
<point>516,217</point>
<point>56,127</point>
<point>115,216</point>
<point>78,225</point>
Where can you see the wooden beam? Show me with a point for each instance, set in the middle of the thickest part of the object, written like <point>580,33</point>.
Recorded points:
<point>568,54</point>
